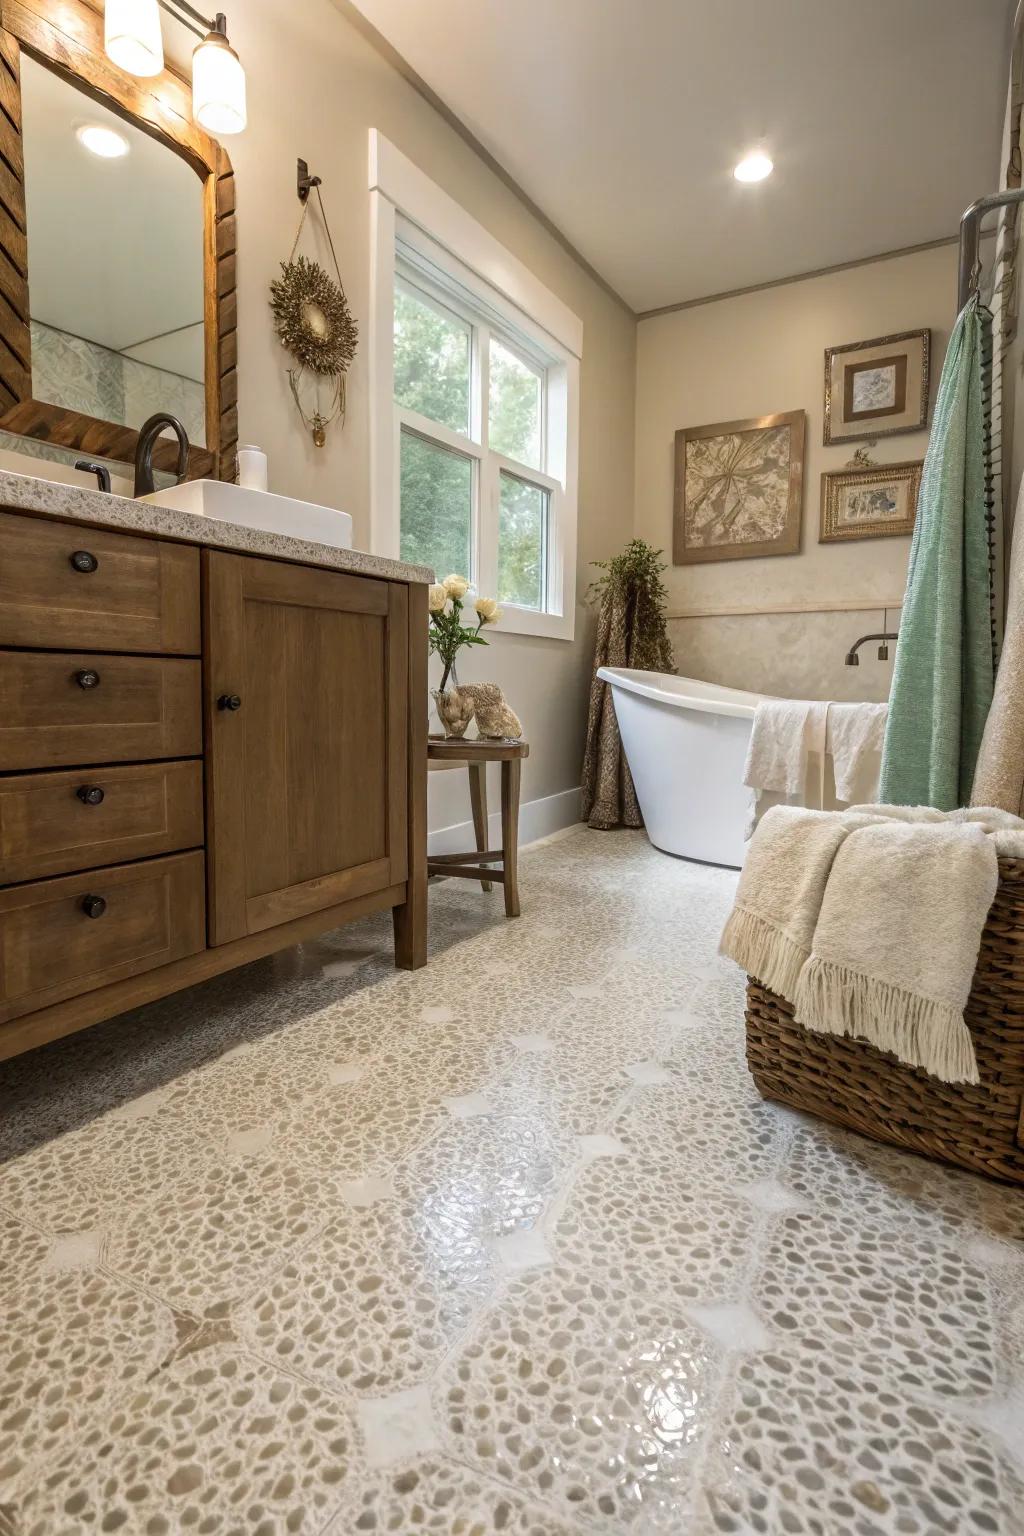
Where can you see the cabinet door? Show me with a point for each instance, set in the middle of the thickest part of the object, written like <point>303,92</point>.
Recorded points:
<point>307,776</point>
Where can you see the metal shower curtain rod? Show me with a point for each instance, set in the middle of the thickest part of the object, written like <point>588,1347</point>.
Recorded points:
<point>970,236</point>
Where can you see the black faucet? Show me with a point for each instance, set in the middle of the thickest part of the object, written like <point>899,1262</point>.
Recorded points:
<point>148,434</point>
<point>853,660</point>
<point>90,467</point>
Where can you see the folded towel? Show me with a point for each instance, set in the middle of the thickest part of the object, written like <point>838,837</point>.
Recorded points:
<point>771,928</point>
<point>869,921</point>
<point>896,942</point>
<point>856,736</point>
<point>990,818</point>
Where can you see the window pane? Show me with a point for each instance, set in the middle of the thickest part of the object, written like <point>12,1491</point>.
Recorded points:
<point>432,361</point>
<point>522,543</point>
<point>514,407</point>
<point>436,506</point>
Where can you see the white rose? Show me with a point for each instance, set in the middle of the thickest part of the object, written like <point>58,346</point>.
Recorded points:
<point>437,596</point>
<point>456,586</point>
<point>486,609</point>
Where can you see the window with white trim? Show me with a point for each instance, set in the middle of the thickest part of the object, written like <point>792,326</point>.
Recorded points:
<point>477,439</point>
<point>474,403</point>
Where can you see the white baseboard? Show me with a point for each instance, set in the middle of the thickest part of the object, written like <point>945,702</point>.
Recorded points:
<point>537,819</point>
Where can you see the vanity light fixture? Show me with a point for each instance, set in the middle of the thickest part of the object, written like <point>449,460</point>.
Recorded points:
<point>131,36</point>
<point>105,142</point>
<point>754,167</point>
<point>218,82</point>
<point>132,39</point>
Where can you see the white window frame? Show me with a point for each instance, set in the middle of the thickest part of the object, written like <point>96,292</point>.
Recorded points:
<point>414,224</point>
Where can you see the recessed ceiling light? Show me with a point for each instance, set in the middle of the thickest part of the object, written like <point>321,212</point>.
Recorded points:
<point>101,141</point>
<point>753,167</point>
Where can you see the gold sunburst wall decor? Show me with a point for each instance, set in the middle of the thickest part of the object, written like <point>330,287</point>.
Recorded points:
<point>313,321</point>
<point>312,317</point>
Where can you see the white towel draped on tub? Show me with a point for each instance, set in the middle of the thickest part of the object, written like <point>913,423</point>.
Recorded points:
<point>782,737</point>
<point>869,922</point>
<point>788,733</point>
<point>856,735</point>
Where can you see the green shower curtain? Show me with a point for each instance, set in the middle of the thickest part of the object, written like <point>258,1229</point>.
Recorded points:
<point>943,676</point>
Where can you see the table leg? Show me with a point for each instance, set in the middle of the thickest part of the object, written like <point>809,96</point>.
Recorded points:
<point>510,778</point>
<point>478,800</point>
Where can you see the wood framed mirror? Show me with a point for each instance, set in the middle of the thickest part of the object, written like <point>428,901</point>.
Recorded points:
<point>133,278</point>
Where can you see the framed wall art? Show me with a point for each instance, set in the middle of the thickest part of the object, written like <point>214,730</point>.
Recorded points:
<point>739,489</point>
<point>877,388</point>
<point>873,503</point>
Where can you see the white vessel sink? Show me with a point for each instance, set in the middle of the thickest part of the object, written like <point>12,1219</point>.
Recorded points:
<point>257,509</point>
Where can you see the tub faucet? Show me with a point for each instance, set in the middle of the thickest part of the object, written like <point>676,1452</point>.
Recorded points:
<point>148,434</point>
<point>853,660</point>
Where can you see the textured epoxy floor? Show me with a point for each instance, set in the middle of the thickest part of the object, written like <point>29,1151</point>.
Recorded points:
<point>506,1245</point>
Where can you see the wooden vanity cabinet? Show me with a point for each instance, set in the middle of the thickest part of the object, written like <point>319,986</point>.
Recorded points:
<point>307,772</point>
<point>204,757</point>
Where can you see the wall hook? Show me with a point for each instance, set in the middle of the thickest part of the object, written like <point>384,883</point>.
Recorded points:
<point>304,181</point>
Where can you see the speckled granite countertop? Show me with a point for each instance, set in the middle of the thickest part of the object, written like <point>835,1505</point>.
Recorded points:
<point>78,503</point>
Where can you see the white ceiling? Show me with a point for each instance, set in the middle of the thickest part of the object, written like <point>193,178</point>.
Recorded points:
<point>115,247</point>
<point>623,119</point>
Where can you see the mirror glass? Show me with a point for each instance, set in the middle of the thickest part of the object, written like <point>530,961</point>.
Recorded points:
<point>115,261</point>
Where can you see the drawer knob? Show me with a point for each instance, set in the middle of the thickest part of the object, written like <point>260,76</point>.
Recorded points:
<point>90,794</point>
<point>229,701</point>
<point>85,562</point>
<point>87,678</point>
<point>93,906</point>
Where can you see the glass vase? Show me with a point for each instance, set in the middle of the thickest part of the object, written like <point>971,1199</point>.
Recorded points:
<point>452,716</point>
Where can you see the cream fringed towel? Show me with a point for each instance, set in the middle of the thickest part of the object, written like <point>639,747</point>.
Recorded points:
<point>869,922</point>
<point>782,885</point>
<point>897,941</point>
<point>999,776</point>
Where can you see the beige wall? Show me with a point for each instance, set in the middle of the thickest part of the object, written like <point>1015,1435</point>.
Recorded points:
<point>748,356</point>
<point>316,88</point>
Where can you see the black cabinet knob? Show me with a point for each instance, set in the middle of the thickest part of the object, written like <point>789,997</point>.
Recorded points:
<point>87,678</point>
<point>229,701</point>
<point>90,794</point>
<point>93,906</point>
<point>83,561</point>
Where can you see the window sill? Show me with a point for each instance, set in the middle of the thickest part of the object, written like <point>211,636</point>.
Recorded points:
<point>526,621</point>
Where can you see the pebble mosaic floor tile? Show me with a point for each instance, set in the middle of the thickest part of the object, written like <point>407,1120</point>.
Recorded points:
<point>509,1246</point>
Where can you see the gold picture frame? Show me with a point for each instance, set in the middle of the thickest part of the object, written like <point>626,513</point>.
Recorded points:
<point>879,502</point>
<point>739,489</point>
<point>877,388</point>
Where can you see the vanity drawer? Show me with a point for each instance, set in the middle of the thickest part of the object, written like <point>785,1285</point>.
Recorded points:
<point>146,915</point>
<point>55,823</point>
<point>131,594</point>
<point>63,708</point>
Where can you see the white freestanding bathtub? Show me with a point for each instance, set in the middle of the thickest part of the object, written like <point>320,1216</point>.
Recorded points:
<point>686,742</point>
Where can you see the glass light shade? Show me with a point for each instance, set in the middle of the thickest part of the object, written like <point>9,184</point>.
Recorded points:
<point>218,86</point>
<point>131,36</point>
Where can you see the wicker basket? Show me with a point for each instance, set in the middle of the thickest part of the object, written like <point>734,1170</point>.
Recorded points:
<point>852,1083</point>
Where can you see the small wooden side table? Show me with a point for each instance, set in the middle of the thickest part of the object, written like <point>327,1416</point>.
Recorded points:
<point>453,752</point>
